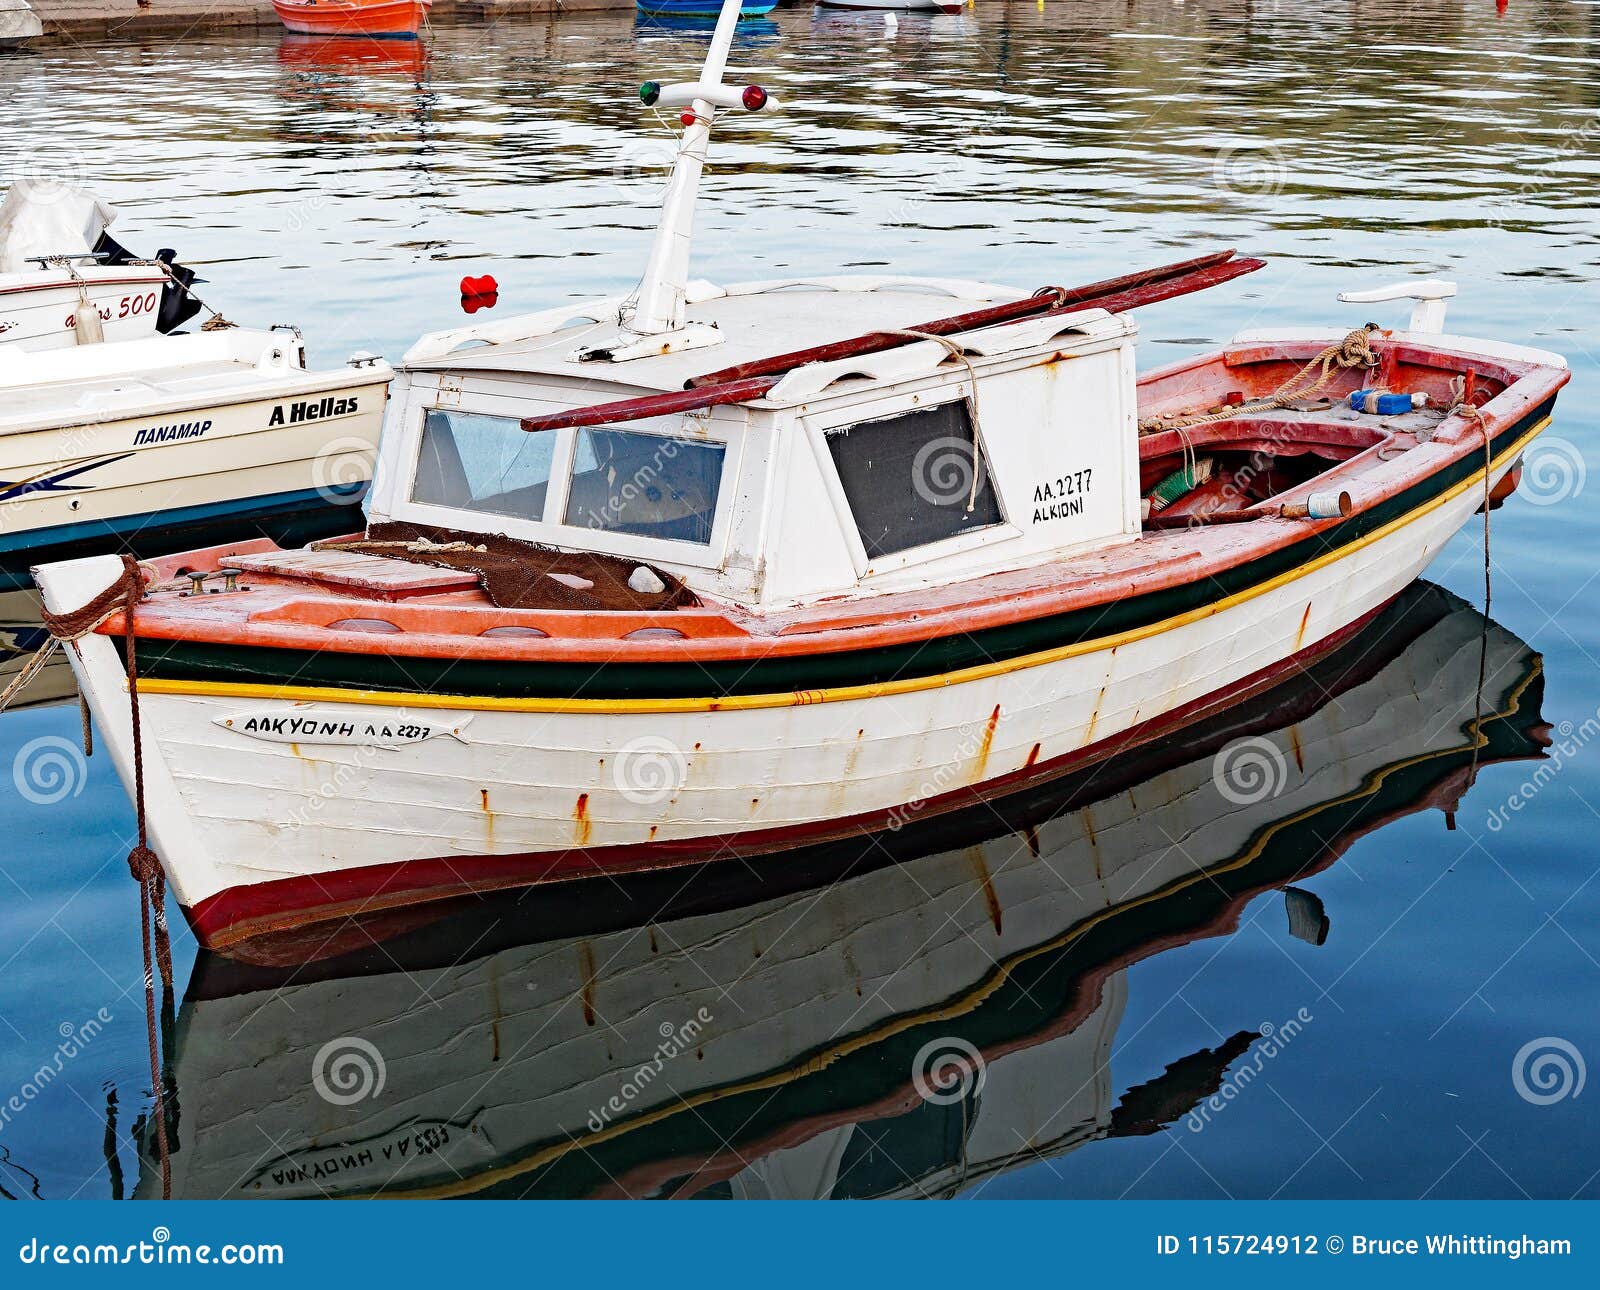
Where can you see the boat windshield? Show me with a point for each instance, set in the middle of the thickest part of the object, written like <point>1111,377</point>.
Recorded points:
<point>620,481</point>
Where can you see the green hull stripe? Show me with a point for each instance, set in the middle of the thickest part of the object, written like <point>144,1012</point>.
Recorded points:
<point>190,661</point>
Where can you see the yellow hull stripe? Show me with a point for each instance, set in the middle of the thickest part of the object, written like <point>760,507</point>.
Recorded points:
<point>801,698</point>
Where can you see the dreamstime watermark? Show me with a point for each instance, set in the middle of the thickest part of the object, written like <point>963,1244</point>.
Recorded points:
<point>74,1039</point>
<point>648,770</point>
<point>160,1249</point>
<point>953,773</point>
<point>643,166</point>
<point>1250,770</point>
<point>348,1070</point>
<point>341,470</point>
<point>1273,1040</point>
<point>674,1040</point>
<point>1578,143</point>
<point>49,769</point>
<point>1548,1070</point>
<point>52,175</point>
<point>1553,470</point>
<point>1256,171</point>
<point>948,1069</point>
<point>944,471</point>
<point>1570,740</point>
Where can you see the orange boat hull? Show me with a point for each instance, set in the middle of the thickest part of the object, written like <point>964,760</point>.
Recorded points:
<point>352,17</point>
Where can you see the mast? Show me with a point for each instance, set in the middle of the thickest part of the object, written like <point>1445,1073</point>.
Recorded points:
<point>659,321</point>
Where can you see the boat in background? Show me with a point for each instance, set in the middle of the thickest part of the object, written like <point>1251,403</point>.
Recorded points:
<point>702,8</point>
<point>18,24</point>
<point>783,1032</point>
<point>64,280</point>
<point>911,6</point>
<point>144,445</point>
<point>395,19</point>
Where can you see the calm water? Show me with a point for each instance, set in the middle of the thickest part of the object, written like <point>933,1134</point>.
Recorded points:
<point>348,189</point>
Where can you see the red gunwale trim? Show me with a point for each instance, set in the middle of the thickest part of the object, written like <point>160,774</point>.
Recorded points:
<point>238,913</point>
<point>90,282</point>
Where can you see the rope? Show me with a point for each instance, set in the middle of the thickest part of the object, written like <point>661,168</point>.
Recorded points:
<point>123,597</point>
<point>1355,350</point>
<point>417,546</point>
<point>1463,405</point>
<point>960,355</point>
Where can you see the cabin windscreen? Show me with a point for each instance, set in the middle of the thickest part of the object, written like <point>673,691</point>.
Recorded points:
<point>915,478</point>
<point>622,481</point>
<point>645,484</point>
<point>474,462</point>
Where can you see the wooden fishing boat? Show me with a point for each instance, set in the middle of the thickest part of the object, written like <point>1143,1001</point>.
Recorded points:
<point>765,1033</point>
<point>710,571</point>
<point>65,281</point>
<point>152,444</point>
<point>392,18</point>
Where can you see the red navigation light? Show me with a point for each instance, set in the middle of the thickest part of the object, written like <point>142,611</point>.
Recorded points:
<point>754,98</point>
<point>688,118</point>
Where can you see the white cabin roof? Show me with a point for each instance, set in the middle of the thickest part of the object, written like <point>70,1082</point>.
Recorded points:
<point>756,320</point>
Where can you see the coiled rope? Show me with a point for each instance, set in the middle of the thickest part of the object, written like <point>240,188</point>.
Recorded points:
<point>1355,350</point>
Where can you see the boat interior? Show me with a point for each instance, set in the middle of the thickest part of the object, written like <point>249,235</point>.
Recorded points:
<point>437,588</point>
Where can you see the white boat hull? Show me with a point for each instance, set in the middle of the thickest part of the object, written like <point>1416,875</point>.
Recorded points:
<point>36,310</point>
<point>231,810</point>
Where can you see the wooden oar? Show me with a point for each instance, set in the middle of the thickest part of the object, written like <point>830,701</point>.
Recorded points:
<point>1043,301</point>
<point>1217,271</point>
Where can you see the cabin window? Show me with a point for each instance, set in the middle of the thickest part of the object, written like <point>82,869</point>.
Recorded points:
<point>644,484</point>
<point>483,463</point>
<point>909,478</point>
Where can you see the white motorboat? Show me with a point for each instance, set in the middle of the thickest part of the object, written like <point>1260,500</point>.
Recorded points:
<point>65,281</point>
<point>18,24</point>
<point>147,444</point>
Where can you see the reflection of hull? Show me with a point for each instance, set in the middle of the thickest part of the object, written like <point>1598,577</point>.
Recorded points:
<point>519,1065</point>
<point>353,54</point>
<point>21,633</point>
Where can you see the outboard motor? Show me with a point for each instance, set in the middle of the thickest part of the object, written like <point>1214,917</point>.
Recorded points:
<point>177,304</point>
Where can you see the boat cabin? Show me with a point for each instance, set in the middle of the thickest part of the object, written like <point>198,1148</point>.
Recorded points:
<point>929,462</point>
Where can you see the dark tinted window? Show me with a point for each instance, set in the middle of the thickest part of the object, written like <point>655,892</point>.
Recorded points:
<point>909,479</point>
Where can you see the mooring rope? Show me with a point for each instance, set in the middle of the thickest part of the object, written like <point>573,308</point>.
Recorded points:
<point>123,596</point>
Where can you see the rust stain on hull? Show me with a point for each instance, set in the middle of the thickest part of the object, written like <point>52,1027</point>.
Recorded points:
<point>980,766</point>
<point>580,817</point>
<point>1294,742</point>
<point>990,896</point>
<point>1300,636</point>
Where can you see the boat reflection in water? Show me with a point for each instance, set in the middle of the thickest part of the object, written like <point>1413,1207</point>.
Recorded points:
<point>902,1016</point>
<point>22,632</point>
